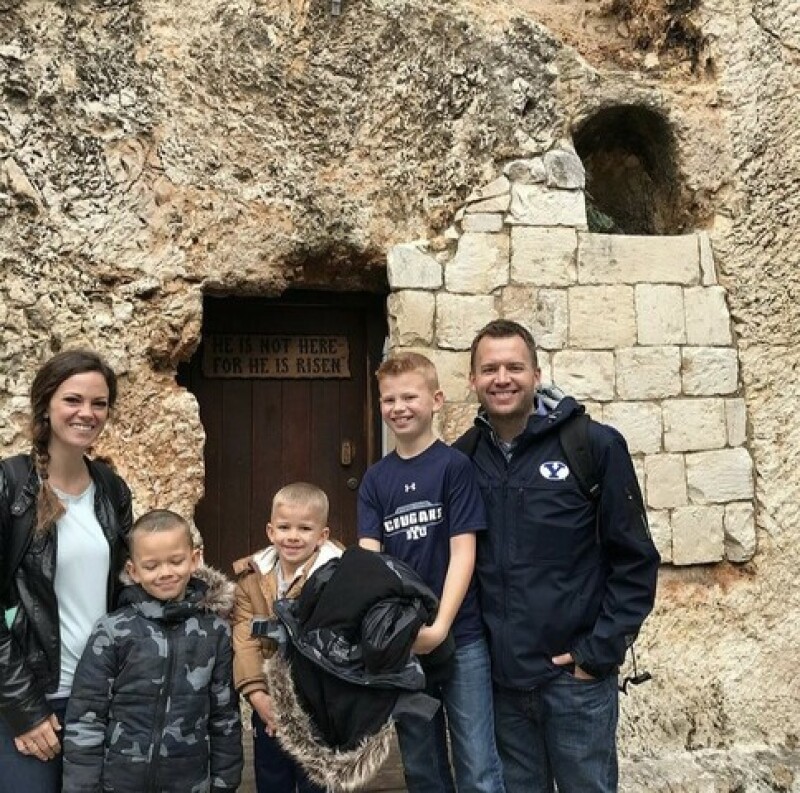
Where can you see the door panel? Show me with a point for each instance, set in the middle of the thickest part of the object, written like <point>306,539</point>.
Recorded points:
<point>264,433</point>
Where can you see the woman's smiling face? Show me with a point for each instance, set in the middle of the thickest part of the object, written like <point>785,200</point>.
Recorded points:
<point>78,411</point>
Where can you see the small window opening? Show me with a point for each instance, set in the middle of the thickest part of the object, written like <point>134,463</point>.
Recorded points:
<point>632,186</point>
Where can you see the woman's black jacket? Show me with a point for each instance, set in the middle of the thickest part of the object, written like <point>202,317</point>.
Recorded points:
<point>30,656</point>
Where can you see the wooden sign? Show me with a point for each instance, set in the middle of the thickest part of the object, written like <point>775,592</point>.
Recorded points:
<point>250,355</point>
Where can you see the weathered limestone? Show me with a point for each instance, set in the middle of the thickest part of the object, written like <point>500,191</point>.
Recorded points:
<point>740,531</point>
<point>546,367</point>
<point>697,535</point>
<point>485,222</point>
<point>495,189</point>
<point>617,259</point>
<point>661,532</point>
<point>535,205</point>
<point>543,256</point>
<point>659,314</point>
<point>694,424</point>
<point>543,311</point>
<point>460,317</point>
<point>411,315</point>
<point>707,267</point>
<point>707,318</point>
<point>453,369</point>
<point>526,171</point>
<point>480,264</point>
<point>648,372</point>
<point>665,481</point>
<point>601,317</point>
<point>709,370</point>
<point>409,267</point>
<point>736,421</point>
<point>456,417</point>
<point>720,476</point>
<point>564,170</point>
<point>585,375</point>
<point>639,422</point>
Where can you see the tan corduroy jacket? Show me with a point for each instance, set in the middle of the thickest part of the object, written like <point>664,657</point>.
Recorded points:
<point>256,591</point>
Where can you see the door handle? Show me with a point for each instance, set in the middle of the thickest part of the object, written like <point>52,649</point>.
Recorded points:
<point>347,452</point>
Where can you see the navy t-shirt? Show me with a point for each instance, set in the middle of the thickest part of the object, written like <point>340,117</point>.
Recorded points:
<point>414,506</point>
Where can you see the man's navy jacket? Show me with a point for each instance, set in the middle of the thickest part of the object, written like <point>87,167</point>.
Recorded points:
<point>558,572</point>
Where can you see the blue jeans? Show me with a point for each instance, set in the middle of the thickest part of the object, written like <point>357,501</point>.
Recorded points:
<point>276,771</point>
<point>21,772</point>
<point>467,705</point>
<point>562,732</point>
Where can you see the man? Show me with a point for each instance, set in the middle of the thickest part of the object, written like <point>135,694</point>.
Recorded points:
<point>566,580</point>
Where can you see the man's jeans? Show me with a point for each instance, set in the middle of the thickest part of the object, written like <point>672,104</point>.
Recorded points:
<point>467,704</point>
<point>563,732</point>
<point>21,773</point>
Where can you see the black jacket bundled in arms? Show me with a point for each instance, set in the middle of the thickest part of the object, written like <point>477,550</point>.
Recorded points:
<point>352,672</point>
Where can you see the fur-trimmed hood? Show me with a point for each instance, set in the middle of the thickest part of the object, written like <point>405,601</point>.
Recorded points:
<point>331,768</point>
<point>215,593</point>
<point>266,560</point>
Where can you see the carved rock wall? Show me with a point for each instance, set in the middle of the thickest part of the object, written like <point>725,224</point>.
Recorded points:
<point>154,151</point>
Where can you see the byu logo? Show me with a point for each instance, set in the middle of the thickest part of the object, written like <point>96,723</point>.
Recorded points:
<point>412,486</point>
<point>554,470</point>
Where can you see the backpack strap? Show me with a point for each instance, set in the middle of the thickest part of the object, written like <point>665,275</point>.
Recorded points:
<point>574,438</point>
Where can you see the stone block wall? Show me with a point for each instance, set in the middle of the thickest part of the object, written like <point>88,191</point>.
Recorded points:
<point>636,327</point>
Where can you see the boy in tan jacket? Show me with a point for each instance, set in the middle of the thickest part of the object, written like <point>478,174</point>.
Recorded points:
<point>299,533</point>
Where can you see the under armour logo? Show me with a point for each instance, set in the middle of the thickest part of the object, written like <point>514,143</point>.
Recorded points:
<point>554,470</point>
<point>412,486</point>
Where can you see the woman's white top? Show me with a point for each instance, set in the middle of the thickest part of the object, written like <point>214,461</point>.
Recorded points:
<point>82,565</point>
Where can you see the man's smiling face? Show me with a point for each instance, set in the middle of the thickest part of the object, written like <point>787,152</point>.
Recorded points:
<point>505,378</point>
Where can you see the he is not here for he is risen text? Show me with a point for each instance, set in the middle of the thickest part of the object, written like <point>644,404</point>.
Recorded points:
<point>251,355</point>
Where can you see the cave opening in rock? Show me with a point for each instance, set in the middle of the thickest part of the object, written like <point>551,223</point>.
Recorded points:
<point>632,185</point>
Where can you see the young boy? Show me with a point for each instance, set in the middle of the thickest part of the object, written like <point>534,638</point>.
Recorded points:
<point>298,532</point>
<point>152,705</point>
<point>420,503</point>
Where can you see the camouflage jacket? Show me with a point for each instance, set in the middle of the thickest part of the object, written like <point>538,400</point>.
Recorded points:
<point>153,709</point>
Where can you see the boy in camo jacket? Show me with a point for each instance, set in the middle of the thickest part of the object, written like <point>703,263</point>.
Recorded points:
<point>153,706</point>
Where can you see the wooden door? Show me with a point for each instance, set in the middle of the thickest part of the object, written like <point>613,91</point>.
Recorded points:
<point>304,412</point>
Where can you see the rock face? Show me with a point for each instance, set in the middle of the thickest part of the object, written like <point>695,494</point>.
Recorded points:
<point>151,153</point>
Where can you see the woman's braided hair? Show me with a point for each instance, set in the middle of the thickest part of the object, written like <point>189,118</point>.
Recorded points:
<point>50,376</point>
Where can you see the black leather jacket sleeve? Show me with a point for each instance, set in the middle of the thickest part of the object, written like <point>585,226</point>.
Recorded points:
<point>22,702</point>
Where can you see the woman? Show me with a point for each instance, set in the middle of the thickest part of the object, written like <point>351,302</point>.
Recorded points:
<point>63,522</point>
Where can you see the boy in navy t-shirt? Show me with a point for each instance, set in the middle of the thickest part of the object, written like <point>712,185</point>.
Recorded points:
<point>422,505</point>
